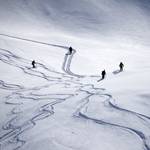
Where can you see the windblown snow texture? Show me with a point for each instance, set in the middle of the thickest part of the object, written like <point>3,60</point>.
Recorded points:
<point>55,107</point>
<point>29,105</point>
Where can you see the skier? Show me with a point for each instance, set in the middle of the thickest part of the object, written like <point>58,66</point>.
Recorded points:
<point>121,65</point>
<point>70,50</point>
<point>33,63</point>
<point>103,74</point>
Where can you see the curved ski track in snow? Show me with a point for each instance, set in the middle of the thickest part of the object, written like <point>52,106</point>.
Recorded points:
<point>43,105</point>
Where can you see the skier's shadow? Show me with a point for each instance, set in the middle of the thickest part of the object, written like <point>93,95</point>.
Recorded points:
<point>117,71</point>
<point>100,79</point>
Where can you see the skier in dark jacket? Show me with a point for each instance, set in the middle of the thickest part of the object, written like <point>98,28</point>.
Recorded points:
<point>70,50</point>
<point>103,74</point>
<point>33,63</point>
<point>121,65</point>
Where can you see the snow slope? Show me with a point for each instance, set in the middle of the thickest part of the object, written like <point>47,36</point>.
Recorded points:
<point>59,105</point>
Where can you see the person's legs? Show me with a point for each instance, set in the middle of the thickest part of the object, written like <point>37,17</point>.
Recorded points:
<point>33,65</point>
<point>103,76</point>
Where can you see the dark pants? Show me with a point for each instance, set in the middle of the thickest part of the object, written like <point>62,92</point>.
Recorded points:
<point>103,76</point>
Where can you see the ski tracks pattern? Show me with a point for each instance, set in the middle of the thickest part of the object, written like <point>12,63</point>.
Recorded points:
<point>30,105</point>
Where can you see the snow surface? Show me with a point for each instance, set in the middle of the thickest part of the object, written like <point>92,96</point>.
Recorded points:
<point>59,105</point>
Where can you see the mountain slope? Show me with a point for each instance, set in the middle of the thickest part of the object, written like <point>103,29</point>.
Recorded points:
<point>59,105</point>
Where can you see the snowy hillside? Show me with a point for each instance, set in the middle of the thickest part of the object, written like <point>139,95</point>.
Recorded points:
<point>59,105</point>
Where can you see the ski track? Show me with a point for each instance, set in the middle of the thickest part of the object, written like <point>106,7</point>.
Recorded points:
<point>44,104</point>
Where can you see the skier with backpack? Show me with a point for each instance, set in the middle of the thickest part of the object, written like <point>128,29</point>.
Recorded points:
<point>33,64</point>
<point>121,65</point>
<point>103,74</point>
<point>70,51</point>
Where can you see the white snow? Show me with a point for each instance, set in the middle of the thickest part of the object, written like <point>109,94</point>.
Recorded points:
<point>59,105</point>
